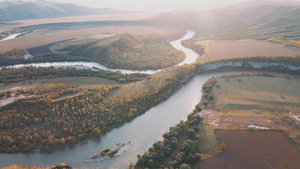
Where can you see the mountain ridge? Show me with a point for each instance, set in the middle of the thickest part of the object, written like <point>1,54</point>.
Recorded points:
<point>255,16</point>
<point>21,10</point>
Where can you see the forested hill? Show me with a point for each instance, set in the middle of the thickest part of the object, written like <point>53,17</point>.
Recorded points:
<point>19,10</point>
<point>131,52</point>
<point>244,17</point>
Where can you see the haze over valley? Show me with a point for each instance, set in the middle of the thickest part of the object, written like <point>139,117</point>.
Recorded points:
<point>150,84</point>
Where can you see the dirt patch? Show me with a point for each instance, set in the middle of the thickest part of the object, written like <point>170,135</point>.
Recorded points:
<point>224,120</point>
<point>254,149</point>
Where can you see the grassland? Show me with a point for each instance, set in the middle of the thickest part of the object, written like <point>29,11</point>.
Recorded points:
<point>83,82</point>
<point>254,149</point>
<point>215,50</point>
<point>208,142</point>
<point>256,102</point>
<point>258,96</point>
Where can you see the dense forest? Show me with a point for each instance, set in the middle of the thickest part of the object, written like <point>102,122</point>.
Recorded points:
<point>9,75</point>
<point>25,123</point>
<point>12,56</point>
<point>17,56</point>
<point>130,52</point>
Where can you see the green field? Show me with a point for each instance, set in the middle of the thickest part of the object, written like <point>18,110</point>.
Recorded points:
<point>243,102</point>
<point>258,96</point>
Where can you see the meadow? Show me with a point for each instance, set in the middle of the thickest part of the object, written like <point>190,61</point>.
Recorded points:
<point>215,50</point>
<point>257,102</point>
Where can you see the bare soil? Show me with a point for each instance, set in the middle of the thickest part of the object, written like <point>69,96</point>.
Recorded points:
<point>254,149</point>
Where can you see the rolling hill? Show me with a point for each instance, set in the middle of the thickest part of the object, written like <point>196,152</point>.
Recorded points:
<point>20,10</point>
<point>251,16</point>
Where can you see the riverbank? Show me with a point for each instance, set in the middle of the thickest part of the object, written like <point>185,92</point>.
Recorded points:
<point>189,94</point>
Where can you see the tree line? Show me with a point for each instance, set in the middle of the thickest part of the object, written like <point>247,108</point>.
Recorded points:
<point>52,91</point>
<point>25,124</point>
<point>9,75</point>
<point>179,147</point>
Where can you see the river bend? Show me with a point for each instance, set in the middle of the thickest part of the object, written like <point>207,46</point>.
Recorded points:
<point>143,131</point>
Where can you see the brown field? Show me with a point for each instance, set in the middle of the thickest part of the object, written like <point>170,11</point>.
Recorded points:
<point>60,35</point>
<point>254,150</point>
<point>234,49</point>
<point>100,17</point>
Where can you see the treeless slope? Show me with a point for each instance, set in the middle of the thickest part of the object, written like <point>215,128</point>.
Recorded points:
<point>254,149</point>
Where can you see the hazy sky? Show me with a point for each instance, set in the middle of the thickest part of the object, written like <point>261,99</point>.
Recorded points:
<point>149,4</point>
<point>152,4</point>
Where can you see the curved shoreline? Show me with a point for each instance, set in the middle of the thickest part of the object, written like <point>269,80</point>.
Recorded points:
<point>191,57</point>
<point>143,130</point>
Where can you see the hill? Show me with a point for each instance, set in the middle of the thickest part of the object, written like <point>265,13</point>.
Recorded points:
<point>249,18</point>
<point>130,52</point>
<point>20,10</point>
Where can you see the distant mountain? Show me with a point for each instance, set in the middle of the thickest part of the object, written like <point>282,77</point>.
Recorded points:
<point>20,10</point>
<point>251,15</point>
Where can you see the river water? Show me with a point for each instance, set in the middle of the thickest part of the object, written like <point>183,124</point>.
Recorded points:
<point>191,57</point>
<point>143,131</point>
<point>13,36</point>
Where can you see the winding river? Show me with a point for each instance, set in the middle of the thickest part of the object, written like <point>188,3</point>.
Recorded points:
<point>143,131</point>
<point>191,57</point>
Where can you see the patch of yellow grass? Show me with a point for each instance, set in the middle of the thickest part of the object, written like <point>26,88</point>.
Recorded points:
<point>209,144</point>
<point>20,167</point>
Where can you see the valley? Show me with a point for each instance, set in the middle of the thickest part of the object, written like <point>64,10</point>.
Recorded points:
<point>179,89</point>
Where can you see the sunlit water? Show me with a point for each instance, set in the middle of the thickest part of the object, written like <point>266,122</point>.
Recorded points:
<point>13,36</point>
<point>143,131</point>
